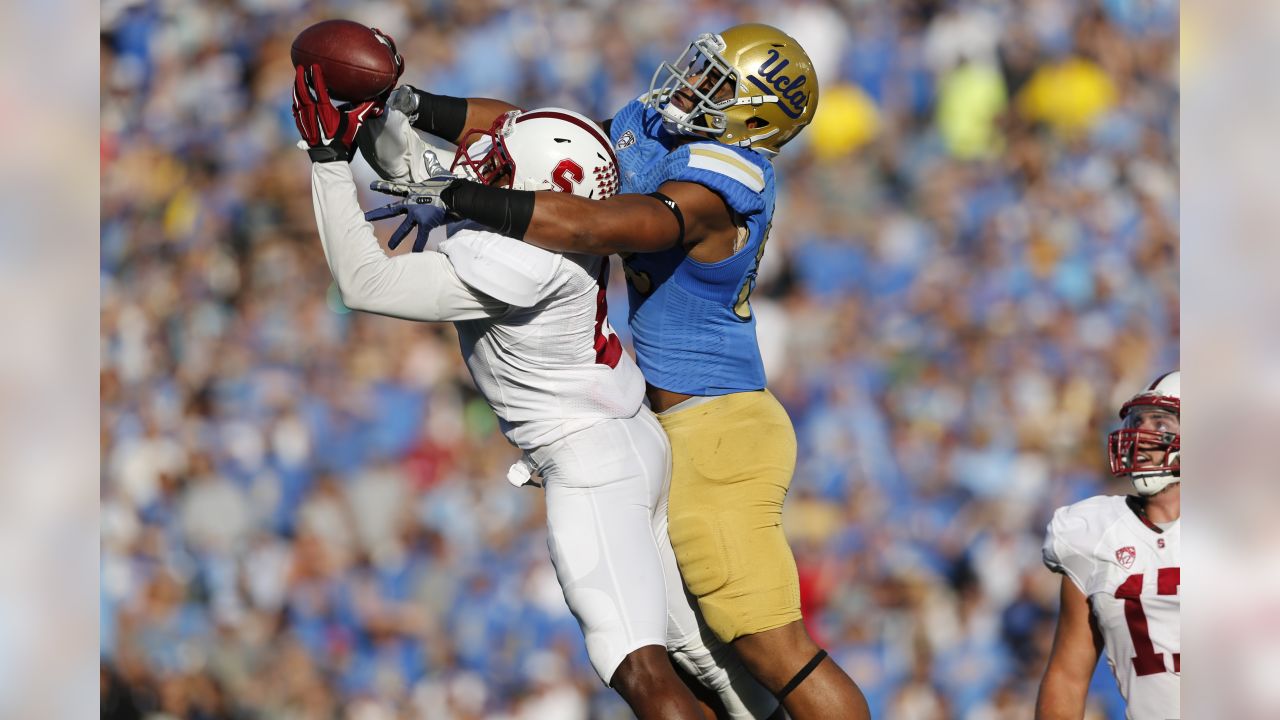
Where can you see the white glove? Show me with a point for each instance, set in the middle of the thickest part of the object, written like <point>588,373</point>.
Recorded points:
<point>521,473</point>
<point>405,100</point>
<point>426,192</point>
<point>394,149</point>
<point>387,145</point>
<point>432,167</point>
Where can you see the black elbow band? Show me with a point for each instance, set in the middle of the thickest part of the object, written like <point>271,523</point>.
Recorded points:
<point>675,210</point>
<point>506,211</point>
<point>441,115</point>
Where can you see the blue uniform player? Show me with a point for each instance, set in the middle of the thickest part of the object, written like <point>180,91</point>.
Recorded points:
<point>691,320</point>
<point>692,223</point>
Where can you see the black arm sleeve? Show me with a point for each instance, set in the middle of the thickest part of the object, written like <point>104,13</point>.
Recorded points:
<point>441,115</point>
<point>506,211</point>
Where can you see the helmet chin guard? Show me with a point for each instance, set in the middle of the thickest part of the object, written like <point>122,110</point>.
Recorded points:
<point>1150,485</point>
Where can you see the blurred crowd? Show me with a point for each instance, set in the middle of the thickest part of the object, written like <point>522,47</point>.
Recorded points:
<point>304,512</point>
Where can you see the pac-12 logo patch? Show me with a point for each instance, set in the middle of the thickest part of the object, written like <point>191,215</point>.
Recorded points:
<point>627,140</point>
<point>1126,555</point>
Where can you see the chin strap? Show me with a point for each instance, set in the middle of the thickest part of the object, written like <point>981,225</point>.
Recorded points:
<point>751,141</point>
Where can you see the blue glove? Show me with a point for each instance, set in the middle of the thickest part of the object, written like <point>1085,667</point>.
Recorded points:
<point>423,216</point>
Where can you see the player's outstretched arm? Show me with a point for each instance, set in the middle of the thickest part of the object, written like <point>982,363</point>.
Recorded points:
<point>416,286</point>
<point>680,213</point>
<point>1076,647</point>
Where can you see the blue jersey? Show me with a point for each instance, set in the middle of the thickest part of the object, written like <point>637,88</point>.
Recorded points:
<point>691,321</point>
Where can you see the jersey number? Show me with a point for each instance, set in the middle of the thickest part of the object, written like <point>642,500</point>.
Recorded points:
<point>742,306</point>
<point>1146,661</point>
<point>608,347</point>
<point>639,279</point>
<point>566,174</point>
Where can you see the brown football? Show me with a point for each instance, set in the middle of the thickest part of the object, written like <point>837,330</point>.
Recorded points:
<point>356,65</point>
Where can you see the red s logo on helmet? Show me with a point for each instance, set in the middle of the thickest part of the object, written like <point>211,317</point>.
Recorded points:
<point>566,174</point>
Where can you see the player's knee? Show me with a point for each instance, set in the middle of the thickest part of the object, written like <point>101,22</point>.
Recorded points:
<point>722,672</point>
<point>777,653</point>
<point>793,639</point>
<point>645,669</point>
<point>698,661</point>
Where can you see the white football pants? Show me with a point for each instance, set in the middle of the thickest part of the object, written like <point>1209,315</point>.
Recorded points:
<point>606,491</point>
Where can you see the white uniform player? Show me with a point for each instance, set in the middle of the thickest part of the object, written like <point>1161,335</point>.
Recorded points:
<point>533,329</point>
<point>1122,555</point>
<point>1129,570</point>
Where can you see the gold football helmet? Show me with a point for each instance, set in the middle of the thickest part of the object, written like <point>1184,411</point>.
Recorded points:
<point>751,86</point>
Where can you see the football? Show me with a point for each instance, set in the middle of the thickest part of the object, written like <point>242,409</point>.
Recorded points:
<point>357,64</point>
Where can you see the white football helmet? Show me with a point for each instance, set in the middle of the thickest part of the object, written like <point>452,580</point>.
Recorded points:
<point>1151,428</point>
<point>543,149</point>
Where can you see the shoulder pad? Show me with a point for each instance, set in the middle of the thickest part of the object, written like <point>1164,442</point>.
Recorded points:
<point>1089,518</point>
<point>503,268</point>
<point>741,179</point>
<point>730,162</point>
<point>1074,532</point>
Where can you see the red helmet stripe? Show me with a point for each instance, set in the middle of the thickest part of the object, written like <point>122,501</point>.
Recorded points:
<point>1159,380</point>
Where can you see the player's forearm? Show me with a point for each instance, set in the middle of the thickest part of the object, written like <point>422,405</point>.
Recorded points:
<point>350,247</point>
<point>567,223</point>
<point>623,223</point>
<point>450,118</point>
<point>481,112</point>
<point>419,286</point>
<point>1061,697</point>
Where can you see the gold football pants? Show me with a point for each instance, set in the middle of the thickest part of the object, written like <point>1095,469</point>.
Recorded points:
<point>732,461</point>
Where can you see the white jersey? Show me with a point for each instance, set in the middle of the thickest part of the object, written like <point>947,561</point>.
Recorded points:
<point>536,339</point>
<point>550,365</point>
<point>1130,572</point>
